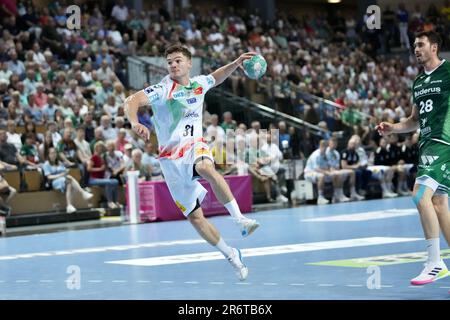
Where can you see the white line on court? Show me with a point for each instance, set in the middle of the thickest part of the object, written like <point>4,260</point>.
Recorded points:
<point>364,216</point>
<point>264,251</point>
<point>101,249</point>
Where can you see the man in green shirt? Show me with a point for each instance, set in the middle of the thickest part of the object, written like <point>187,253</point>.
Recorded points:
<point>430,114</point>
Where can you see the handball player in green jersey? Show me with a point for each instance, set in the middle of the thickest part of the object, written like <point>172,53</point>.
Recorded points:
<point>430,114</point>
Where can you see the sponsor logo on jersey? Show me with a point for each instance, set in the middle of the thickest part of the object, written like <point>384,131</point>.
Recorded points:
<point>148,90</point>
<point>210,80</point>
<point>425,131</point>
<point>424,122</point>
<point>191,115</point>
<point>424,92</point>
<point>427,80</point>
<point>198,90</point>
<point>428,160</point>
<point>436,81</point>
<point>443,167</point>
<point>191,100</point>
<point>179,95</point>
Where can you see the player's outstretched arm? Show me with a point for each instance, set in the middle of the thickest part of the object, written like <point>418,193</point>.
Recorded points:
<point>224,72</point>
<point>131,106</point>
<point>411,124</point>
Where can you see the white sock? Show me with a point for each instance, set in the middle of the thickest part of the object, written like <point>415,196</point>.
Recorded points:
<point>340,192</point>
<point>234,210</point>
<point>384,187</point>
<point>224,248</point>
<point>434,250</point>
<point>353,191</point>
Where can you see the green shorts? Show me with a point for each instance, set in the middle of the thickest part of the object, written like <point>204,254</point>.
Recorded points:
<point>434,167</point>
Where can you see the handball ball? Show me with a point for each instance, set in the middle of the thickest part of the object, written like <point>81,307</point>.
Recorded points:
<point>255,67</point>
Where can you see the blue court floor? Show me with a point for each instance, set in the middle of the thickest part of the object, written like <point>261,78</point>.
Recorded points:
<point>357,250</point>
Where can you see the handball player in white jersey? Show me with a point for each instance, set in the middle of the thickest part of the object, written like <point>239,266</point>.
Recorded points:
<point>177,103</point>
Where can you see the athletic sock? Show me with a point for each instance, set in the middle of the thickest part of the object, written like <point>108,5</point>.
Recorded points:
<point>224,248</point>
<point>434,251</point>
<point>234,210</point>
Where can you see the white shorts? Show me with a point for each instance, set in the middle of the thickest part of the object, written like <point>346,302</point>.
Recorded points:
<point>313,176</point>
<point>178,173</point>
<point>432,184</point>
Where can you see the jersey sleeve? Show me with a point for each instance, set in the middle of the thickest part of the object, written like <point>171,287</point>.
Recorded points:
<point>155,94</point>
<point>207,82</point>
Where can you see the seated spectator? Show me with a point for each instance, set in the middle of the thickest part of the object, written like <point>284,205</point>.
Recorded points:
<point>45,146</point>
<point>6,194</point>
<point>259,168</point>
<point>10,158</point>
<point>334,160</point>
<point>13,137</point>
<point>96,169</point>
<point>83,152</point>
<point>29,152</point>
<point>34,111</point>
<point>150,158</point>
<point>351,159</point>
<point>40,97</point>
<point>59,179</point>
<point>89,126</point>
<point>53,129</point>
<point>270,147</point>
<point>145,171</point>
<point>67,149</point>
<point>98,136</point>
<point>111,108</point>
<point>109,133</point>
<point>115,166</point>
<point>214,130</point>
<point>397,164</point>
<point>50,108</point>
<point>228,122</point>
<point>121,140</point>
<point>127,155</point>
<point>318,170</point>
<point>383,169</point>
<point>30,127</point>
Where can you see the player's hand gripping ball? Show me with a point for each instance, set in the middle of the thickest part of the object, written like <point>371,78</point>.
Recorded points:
<point>255,67</point>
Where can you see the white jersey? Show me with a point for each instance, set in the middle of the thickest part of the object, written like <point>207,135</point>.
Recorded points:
<point>177,113</point>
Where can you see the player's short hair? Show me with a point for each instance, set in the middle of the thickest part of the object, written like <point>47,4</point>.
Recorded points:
<point>178,48</point>
<point>432,36</point>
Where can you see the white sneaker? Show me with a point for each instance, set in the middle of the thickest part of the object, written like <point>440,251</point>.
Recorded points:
<point>357,197</point>
<point>403,193</point>
<point>87,196</point>
<point>282,199</point>
<point>389,194</point>
<point>70,209</point>
<point>322,200</point>
<point>247,226</point>
<point>431,273</point>
<point>343,198</point>
<point>236,261</point>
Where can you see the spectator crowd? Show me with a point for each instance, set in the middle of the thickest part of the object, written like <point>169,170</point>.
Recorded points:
<point>62,93</point>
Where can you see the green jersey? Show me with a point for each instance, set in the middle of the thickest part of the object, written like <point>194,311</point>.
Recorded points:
<point>431,94</point>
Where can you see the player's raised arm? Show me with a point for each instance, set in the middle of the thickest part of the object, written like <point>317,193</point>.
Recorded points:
<point>411,124</point>
<point>131,106</point>
<point>224,72</point>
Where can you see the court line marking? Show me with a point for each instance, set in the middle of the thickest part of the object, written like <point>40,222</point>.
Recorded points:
<point>365,216</point>
<point>263,251</point>
<point>101,249</point>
